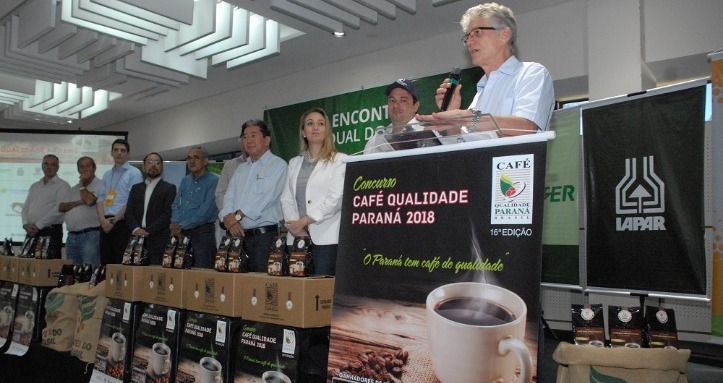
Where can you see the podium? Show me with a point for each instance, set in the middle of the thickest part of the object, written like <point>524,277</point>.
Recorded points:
<point>426,228</point>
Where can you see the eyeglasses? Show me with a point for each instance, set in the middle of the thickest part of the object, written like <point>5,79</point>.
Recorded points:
<point>476,33</point>
<point>154,162</point>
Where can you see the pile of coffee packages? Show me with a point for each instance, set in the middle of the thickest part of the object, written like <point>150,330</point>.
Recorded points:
<point>71,274</point>
<point>135,252</point>
<point>231,256</point>
<point>37,247</point>
<point>628,326</point>
<point>178,253</point>
<point>7,248</point>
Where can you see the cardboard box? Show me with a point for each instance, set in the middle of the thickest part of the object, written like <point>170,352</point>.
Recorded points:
<point>163,286</point>
<point>275,353</point>
<point>40,272</point>
<point>214,292</point>
<point>8,268</point>
<point>124,282</point>
<point>290,301</point>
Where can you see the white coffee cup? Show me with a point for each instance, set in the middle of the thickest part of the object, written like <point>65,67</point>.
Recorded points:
<point>274,376</point>
<point>6,316</point>
<point>160,359</point>
<point>117,346</point>
<point>209,370</point>
<point>480,343</point>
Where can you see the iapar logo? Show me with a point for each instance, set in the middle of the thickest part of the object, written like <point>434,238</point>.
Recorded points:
<point>639,199</point>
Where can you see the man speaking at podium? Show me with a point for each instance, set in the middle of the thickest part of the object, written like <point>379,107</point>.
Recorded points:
<point>518,95</point>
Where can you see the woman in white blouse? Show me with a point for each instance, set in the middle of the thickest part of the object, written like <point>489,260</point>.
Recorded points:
<point>311,199</point>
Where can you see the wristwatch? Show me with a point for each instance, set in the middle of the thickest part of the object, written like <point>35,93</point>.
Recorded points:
<point>239,215</point>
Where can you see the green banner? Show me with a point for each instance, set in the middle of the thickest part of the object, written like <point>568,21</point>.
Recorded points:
<point>560,231</point>
<point>355,116</point>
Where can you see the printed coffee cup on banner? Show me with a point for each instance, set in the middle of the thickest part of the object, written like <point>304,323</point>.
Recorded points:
<point>275,377</point>
<point>209,370</point>
<point>117,347</point>
<point>476,333</point>
<point>160,359</point>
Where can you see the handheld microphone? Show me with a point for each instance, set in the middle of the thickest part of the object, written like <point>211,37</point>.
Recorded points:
<point>453,82</point>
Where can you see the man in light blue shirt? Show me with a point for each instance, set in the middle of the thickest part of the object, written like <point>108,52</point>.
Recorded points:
<point>252,203</point>
<point>194,209</point>
<point>519,95</point>
<point>112,199</point>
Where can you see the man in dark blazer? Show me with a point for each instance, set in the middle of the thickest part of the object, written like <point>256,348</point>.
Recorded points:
<point>148,212</point>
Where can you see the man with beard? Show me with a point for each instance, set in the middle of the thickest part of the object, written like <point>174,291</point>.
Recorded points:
<point>81,220</point>
<point>194,209</point>
<point>148,212</point>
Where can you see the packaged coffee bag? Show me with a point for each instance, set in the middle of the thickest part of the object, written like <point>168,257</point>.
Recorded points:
<point>626,326</point>
<point>169,252</point>
<point>220,263</point>
<point>278,264</point>
<point>238,260</point>
<point>661,331</point>
<point>588,325</point>
<point>301,259</point>
<point>184,246</point>
<point>41,247</point>
<point>28,248</point>
<point>140,254</point>
<point>128,252</point>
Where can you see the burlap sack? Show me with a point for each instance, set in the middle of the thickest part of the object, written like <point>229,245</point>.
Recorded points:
<point>61,313</point>
<point>584,364</point>
<point>91,305</point>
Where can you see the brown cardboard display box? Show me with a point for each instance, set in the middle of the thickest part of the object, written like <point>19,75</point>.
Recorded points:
<point>124,282</point>
<point>163,286</point>
<point>213,292</point>
<point>40,272</point>
<point>290,301</point>
<point>8,268</point>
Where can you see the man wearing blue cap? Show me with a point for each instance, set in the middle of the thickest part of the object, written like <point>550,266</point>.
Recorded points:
<point>402,106</point>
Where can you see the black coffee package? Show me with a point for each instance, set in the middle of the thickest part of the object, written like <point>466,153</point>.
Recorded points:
<point>8,304</point>
<point>67,275</point>
<point>301,262</point>
<point>660,328</point>
<point>130,249</point>
<point>8,247</point>
<point>115,342</point>
<point>29,319</point>
<point>140,253</point>
<point>278,262</point>
<point>626,326</point>
<point>97,276</point>
<point>169,251</point>
<point>205,350</point>
<point>155,344</point>
<point>184,254</point>
<point>28,248</point>
<point>220,263</point>
<point>238,260</point>
<point>41,246</point>
<point>588,325</point>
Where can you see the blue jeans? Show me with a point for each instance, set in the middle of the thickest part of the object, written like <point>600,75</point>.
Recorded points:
<point>203,243</point>
<point>83,248</point>
<point>258,248</point>
<point>324,259</point>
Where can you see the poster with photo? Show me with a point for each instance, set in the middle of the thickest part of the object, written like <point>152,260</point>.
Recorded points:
<point>438,276</point>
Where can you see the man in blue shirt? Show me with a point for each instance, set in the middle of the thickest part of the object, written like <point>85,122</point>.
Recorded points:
<point>194,209</point>
<point>252,203</point>
<point>117,183</point>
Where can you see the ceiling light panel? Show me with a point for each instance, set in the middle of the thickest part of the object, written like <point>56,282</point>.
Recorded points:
<point>204,21</point>
<point>179,10</point>
<point>239,36</point>
<point>272,46</point>
<point>103,11</point>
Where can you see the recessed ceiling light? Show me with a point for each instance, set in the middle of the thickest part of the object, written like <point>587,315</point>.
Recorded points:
<point>339,34</point>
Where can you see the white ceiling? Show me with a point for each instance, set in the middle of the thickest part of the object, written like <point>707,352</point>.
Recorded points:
<point>409,20</point>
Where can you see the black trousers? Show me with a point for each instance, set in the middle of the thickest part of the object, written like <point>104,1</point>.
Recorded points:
<point>113,243</point>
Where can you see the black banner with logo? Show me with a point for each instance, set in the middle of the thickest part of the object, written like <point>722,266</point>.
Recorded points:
<point>414,224</point>
<point>644,184</point>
